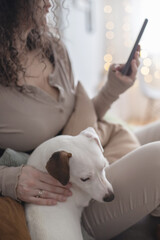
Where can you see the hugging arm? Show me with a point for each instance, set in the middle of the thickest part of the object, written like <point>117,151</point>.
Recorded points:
<point>8,180</point>
<point>24,183</point>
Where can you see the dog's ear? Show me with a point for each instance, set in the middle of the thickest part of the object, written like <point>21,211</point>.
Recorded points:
<point>91,133</point>
<point>58,166</point>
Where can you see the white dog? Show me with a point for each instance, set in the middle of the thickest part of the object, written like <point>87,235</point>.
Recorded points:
<point>83,165</point>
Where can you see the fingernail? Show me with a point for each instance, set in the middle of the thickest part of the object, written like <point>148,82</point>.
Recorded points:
<point>63,199</point>
<point>117,65</point>
<point>69,193</point>
<point>54,202</point>
<point>69,185</point>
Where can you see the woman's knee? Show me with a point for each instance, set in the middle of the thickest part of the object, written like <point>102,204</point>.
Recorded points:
<point>139,167</point>
<point>150,155</point>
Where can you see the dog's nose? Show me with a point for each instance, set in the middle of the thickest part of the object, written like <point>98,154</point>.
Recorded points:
<point>108,198</point>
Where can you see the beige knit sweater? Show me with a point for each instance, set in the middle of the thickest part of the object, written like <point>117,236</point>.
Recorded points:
<point>32,116</point>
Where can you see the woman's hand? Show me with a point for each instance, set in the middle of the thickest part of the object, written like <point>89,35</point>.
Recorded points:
<point>115,85</point>
<point>40,188</point>
<point>134,68</point>
<point>117,82</point>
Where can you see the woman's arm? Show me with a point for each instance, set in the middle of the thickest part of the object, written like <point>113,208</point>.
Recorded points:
<point>116,85</point>
<point>24,182</point>
<point>8,180</point>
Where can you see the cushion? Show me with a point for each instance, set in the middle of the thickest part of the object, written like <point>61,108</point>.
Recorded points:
<point>115,138</point>
<point>12,220</point>
<point>83,115</point>
<point>11,158</point>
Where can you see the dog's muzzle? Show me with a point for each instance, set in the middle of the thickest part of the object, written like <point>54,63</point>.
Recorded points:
<point>108,197</point>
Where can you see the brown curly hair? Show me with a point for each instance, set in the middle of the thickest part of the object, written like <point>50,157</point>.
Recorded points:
<point>13,15</point>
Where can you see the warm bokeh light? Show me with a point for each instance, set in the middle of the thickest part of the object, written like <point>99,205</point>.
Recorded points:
<point>147,62</point>
<point>107,9</point>
<point>110,35</point>
<point>128,8</point>
<point>108,58</point>
<point>106,66</point>
<point>122,24</point>
<point>145,70</point>
<point>110,25</point>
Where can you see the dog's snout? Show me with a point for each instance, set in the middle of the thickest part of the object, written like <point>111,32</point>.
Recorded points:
<point>108,197</point>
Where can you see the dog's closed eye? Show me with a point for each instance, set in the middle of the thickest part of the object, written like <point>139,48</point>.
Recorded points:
<point>85,179</point>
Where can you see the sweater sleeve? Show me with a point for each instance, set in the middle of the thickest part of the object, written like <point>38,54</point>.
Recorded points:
<point>8,180</point>
<point>109,93</point>
<point>11,163</point>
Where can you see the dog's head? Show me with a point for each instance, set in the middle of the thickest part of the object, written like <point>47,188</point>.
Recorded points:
<point>84,165</point>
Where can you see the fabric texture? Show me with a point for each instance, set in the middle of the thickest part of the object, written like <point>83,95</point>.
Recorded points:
<point>109,93</point>
<point>12,220</point>
<point>38,116</point>
<point>11,158</point>
<point>8,179</point>
<point>32,116</point>
<point>116,139</point>
<point>136,183</point>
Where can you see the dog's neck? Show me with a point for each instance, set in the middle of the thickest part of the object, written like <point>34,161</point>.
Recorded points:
<point>80,197</point>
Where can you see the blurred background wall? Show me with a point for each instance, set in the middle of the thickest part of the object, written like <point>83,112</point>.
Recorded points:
<point>98,33</point>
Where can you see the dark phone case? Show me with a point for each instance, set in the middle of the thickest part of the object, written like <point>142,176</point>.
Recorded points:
<point>126,70</point>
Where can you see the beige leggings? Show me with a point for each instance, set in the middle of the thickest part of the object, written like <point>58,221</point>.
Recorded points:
<point>136,183</point>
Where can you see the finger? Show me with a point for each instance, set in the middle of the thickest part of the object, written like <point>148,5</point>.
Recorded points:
<point>54,189</point>
<point>136,57</point>
<point>42,201</point>
<point>124,78</point>
<point>139,48</point>
<point>134,69</point>
<point>46,178</point>
<point>117,67</point>
<point>26,197</point>
<point>48,195</point>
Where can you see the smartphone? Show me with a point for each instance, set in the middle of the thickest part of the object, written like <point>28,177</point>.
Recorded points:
<point>126,70</point>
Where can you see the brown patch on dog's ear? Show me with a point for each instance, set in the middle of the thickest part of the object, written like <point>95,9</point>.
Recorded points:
<point>58,166</point>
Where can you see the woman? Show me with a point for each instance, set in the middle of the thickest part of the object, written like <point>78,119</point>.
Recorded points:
<point>37,96</point>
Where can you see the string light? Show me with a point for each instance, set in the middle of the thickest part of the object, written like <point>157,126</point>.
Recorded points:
<point>117,49</point>
<point>128,8</point>
<point>108,58</point>
<point>107,9</point>
<point>147,62</point>
<point>106,66</point>
<point>110,25</point>
<point>145,70</point>
<point>110,35</point>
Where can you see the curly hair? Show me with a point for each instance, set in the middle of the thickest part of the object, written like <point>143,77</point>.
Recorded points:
<point>13,15</point>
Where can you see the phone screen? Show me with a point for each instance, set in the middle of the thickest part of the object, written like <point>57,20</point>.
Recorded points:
<point>126,70</point>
